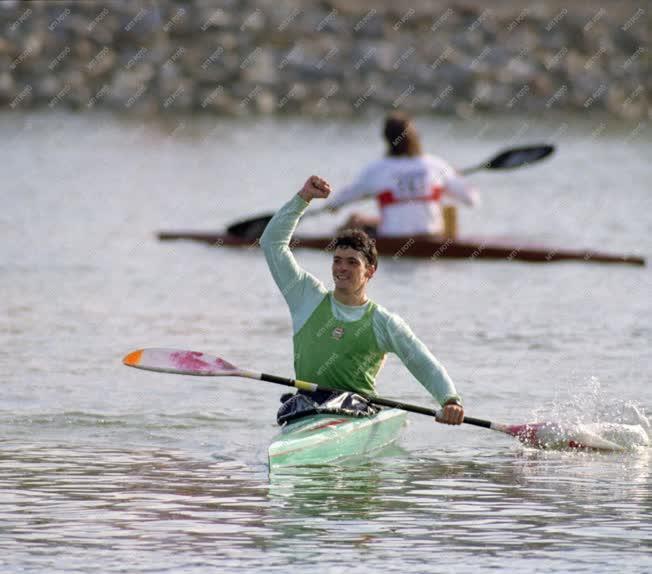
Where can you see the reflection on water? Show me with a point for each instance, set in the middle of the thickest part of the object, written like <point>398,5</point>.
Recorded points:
<point>165,512</point>
<point>345,491</point>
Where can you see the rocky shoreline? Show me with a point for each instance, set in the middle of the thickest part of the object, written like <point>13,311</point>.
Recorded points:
<point>336,58</point>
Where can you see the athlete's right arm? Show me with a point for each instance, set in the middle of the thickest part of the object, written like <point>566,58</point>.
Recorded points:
<point>301,290</point>
<point>456,186</point>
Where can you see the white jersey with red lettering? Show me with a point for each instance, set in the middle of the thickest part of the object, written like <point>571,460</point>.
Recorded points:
<point>409,191</point>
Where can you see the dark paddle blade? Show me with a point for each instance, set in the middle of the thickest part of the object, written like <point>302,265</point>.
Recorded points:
<point>250,228</point>
<point>515,157</point>
<point>253,228</point>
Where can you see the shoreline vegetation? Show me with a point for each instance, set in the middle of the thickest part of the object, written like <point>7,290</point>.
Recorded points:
<point>335,59</point>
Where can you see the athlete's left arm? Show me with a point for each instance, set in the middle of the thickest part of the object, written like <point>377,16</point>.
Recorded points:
<point>363,187</point>
<point>395,336</point>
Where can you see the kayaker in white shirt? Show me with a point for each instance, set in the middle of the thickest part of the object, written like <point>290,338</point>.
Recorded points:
<point>409,185</point>
<point>340,336</point>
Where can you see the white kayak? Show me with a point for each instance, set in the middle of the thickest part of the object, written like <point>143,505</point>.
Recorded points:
<point>325,438</point>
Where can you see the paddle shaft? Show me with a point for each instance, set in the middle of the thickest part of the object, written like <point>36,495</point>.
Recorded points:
<point>311,387</point>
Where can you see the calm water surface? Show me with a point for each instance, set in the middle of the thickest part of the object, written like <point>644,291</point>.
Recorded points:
<point>107,469</point>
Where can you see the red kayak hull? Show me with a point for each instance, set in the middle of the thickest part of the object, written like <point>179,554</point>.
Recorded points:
<point>428,248</point>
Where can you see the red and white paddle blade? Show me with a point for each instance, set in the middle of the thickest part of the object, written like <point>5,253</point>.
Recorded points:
<point>626,436</point>
<point>550,435</point>
<point>180,362</point>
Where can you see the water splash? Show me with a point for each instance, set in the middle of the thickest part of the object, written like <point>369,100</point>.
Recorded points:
<point>595,420</point>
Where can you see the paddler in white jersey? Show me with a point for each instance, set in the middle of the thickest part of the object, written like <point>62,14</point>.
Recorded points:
<point>409,185</point>
<point>340,336</point>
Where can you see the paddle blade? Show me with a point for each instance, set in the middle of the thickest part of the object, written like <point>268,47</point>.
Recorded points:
<point>520,156</point>
<point>180,362</point>
<point>254,228</point>
<point>250,228</point>
<point>550,435</point>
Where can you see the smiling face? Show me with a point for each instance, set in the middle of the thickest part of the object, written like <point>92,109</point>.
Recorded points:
<point>351,271</point>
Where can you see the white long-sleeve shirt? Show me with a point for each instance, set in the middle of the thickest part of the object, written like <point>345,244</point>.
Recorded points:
<point>303,293</point>
<point>410,191</point>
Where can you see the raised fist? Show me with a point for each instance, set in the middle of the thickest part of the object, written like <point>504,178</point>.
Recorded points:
<point>315,187</point>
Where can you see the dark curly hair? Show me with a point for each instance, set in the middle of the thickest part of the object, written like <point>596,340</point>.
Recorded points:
<point>360,241</point>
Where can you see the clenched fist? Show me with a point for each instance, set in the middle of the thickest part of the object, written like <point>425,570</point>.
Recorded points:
<point>315,187</point>
<point>451,414</point>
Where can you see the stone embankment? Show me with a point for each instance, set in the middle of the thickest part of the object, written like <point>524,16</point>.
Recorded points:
<point>332,58</point>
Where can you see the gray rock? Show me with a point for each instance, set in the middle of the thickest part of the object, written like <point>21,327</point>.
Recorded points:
<point>259,67</point>
<point>7,86</point>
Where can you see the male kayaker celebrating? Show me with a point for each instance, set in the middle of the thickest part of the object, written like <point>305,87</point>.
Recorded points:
<point>340,336</point>
<point>408,184</point>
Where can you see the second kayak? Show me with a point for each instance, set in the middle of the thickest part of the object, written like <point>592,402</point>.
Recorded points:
<point>432,248</point>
